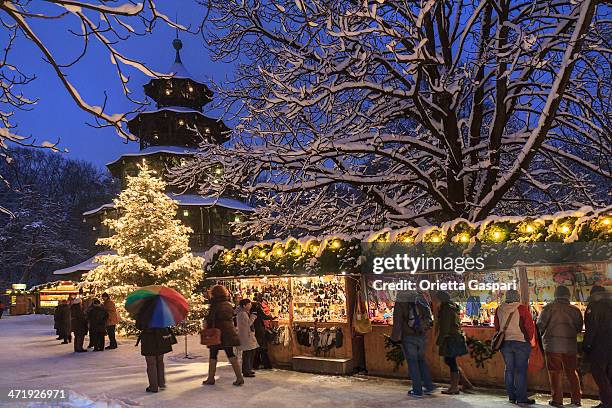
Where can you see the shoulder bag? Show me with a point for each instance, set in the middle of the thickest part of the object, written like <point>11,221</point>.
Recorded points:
<point>211,336</point>
<point>498,338</point>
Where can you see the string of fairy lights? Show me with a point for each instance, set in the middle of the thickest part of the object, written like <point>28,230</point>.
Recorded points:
<point>340,254</point>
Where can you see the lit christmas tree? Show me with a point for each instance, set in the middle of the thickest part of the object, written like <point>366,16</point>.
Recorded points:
<point>151,246</point>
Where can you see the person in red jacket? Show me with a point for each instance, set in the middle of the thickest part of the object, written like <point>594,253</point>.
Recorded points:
<point>514,317</point>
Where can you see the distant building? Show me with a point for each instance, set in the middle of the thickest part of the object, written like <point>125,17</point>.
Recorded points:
<point>166,136</point>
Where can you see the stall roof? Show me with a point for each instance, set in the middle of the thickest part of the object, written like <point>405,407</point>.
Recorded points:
<point>193,200</point>
<point>85,266</point>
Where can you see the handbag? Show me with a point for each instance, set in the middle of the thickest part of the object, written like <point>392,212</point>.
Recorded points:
<point>361,320</point>
<point>169,339</point>
<point>210,336</point>
<point>498,338</point>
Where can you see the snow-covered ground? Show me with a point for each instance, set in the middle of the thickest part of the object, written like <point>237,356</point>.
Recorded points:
<point>31,358</point>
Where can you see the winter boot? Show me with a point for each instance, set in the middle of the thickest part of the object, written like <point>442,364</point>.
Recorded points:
<point>237,370</point>
<point>212,368</point>
<point>454,385</point>
<point>466,385</point>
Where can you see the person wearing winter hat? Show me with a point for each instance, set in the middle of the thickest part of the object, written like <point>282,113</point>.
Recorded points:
<point>559,324</point>
<point>412,320</point>
<point>519,330</point>
<point>597,334</point>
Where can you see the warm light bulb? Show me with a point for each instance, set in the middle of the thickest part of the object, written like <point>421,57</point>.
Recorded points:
<point>181,122</point>
<point>297,251</point>
<point>185,213</point>
<point>336,244</point>
<point>529,228</point>
<point>314,248</point>
<point>565,229</point>
<point>408,239</point>
<point>435,238</point>
<point>190,88</point>
<point>606,221</point>
<point>497,235</point>
<point>228,256</point>
<point>168,91</point>
<point>262,254</point>
<point>236,219</point>
<point>278,252</point>
<point>217,171</point>
<point>464,237</point>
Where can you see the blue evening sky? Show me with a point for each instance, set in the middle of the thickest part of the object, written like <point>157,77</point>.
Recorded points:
<point>57,117</point>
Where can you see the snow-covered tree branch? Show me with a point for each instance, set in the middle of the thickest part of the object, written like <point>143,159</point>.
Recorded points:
<point>355,115</point>
<point>92,24</point>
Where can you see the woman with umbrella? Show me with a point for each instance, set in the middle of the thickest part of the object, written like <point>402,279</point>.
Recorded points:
<point>155,309</point>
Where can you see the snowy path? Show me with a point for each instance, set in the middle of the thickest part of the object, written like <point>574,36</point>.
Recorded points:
<point>30,357</point>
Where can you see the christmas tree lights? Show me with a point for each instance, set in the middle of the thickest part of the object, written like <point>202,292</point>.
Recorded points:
<point>151,246</point>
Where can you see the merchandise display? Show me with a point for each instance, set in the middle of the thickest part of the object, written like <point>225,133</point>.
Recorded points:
<point>319,299</point>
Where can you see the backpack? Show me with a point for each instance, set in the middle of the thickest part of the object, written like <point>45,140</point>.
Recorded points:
<point>418,320</point>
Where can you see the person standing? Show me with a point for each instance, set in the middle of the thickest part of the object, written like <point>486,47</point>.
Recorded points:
<point>63,322</point>
<point>246,334</point>
<point>450,341</point>
<point>111,321</point>
<point>96,318</point>
<point>412,320</point>
<point>597,335</point>
<point>154,343</point>
<point>261,354</point>
<point>1,309</point>
<point>87,304</point>
<point>559,324</point>
<point>517,345</point>
<point>221,316</point>
<point>78,324</point>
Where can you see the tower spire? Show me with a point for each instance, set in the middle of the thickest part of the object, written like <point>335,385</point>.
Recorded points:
<point>177,43</point>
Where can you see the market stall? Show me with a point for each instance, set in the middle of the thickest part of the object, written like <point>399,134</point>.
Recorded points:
<point>21,301</point>
<point>524,250</point>
<point>310,330</point>
<point>48,295</point>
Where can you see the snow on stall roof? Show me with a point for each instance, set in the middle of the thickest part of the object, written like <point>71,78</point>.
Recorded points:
<point>86,265</point>
<point>194,200</point>
<point>158,149</point>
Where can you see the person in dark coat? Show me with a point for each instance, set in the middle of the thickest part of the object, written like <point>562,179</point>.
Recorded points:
<point>221,316</point>
<point>63,322</point>
<point>449,331</point>
<point>597,335</point>
<point>261,356</point>
<point>154,343</point>
<point>78,324</point>
<point>559,324</point>
<point>96,318</point>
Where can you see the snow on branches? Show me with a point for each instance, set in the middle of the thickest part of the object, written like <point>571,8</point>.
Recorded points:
<point>92,24</point>
<point>355,115</point>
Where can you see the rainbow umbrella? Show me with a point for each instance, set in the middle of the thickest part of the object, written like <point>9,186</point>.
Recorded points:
<point>156,306</point>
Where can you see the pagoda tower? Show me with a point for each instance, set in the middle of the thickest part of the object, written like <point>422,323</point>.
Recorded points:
<point>167,134</point>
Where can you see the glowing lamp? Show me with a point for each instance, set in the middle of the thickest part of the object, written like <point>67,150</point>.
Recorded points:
<point>168,91</point>
<point>217,171</point>
<point>435,238</point>
<point>606,221</point>
<point>262,254</point>
<point>181,122</point>
<point>529,228</point>
<point>228,256</point>
<point>565,229</point>
<point>185,213</point>
<point>190,88</point>
<point>278,251</point>
<point>314,248</point>
<point>297,251</point>
<point>336,244</point>
<point>236,219</point>
<point>408,239</point>
<point>464,237</point>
